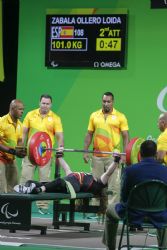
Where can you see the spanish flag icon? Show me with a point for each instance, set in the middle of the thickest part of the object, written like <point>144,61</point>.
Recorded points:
<point>67,32</point>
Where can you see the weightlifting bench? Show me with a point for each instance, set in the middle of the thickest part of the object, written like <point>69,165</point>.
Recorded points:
<point>15,210</point>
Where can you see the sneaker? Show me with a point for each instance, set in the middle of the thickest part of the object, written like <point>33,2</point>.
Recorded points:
<point>23,189</point>
<point>43,211</point>
<point>30,188</point>
<point>20,189</point>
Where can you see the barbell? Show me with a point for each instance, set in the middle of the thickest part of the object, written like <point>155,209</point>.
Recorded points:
<point>39,149</point>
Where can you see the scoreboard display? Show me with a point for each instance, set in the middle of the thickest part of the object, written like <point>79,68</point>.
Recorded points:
<point>86,41</point>
<point>157,4</point>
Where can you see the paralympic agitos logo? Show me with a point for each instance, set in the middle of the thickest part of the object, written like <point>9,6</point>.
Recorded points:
<point>6,210</point>
<point>161,100</point>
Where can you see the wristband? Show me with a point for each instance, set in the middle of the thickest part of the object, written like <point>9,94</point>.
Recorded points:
<point>59,154</point>
<point>117,159</point>
<point>12,151</point>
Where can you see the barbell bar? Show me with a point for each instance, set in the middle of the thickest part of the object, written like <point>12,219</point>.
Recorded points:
<point>83,151</point>
<point>39,149</point>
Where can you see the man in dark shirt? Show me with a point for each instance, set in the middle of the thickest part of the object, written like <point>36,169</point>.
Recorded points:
<point>80,181</point>
<point>147,169</point>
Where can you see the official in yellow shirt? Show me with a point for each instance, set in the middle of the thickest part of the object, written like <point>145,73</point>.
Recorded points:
<point>45,120</point>
<point>105,129</point>
<point>11,132</point>
<point>162,139</point>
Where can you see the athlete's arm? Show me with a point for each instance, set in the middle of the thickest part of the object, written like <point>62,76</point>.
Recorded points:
<point>104,178</point>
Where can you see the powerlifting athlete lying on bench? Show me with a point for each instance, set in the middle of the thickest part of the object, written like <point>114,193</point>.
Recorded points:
<point>80,181</point>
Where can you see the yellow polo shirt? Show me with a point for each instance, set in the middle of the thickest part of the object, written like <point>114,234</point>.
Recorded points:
<point>162,143</point>
<point>107,132</point>
<point>9,134</point>
<point>50,124</point>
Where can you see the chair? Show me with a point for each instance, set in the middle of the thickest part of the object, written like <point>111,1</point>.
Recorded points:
<point>148,196</point>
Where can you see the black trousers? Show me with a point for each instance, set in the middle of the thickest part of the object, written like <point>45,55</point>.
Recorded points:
<point>56,186</point>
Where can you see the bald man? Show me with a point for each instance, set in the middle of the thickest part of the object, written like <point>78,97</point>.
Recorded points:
<point>10,145</point>
<point>162,139</point>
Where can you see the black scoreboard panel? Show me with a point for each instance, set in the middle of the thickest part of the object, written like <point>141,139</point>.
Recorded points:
<point>156,4</point>
<point>86,41</point>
